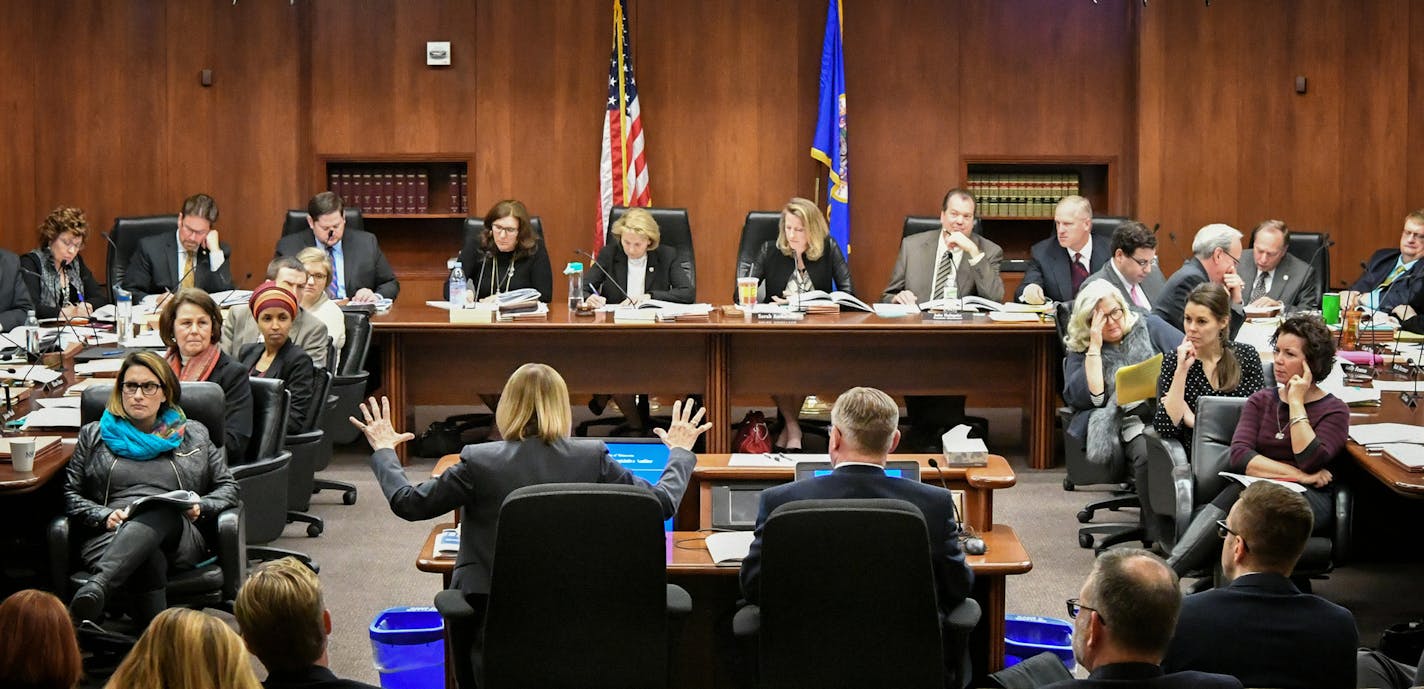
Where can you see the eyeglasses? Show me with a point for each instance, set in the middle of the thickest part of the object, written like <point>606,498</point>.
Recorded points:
<point>1143,263</point>
<point>506,229</point>
<point>1114,315</point>
<point>1222,530</point>
<point>316,277</point>
<point>1075,607</point>
<point>148,389</point>
<point>1234,259</point>
<point>71,242</point>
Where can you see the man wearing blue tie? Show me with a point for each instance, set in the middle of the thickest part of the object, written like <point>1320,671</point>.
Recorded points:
<point>360,272</point>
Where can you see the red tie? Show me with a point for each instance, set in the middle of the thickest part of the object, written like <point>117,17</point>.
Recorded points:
<point>1079,272</point>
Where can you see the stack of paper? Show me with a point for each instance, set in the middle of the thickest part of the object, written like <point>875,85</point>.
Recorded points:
<point>98,367</point>
<point>1381,433</point>
<point>32,374</point>
<point>52,417</point>
<point>729,546</point>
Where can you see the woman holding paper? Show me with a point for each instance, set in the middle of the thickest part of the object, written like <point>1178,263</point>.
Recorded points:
<point>142,446</point>
<point>191,325</point>
<point>59,282</point>
<point>506,256</point>
<point>1290,431</point>
<point>802,259</point>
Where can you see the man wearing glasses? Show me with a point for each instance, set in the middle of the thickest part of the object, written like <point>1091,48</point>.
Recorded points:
<point>1133,268</point>
<point>1123,619</point>
<point>360,271</point>
<point>1393,279</point>
<point>1260,628</point>
<point>193,256</point>
<point>1216,256</point>
<point>1274,277</point>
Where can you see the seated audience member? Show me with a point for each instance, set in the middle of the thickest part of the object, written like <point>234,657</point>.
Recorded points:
<point>360,271</point>
<point>1291,433</point>
<point>38,649</point>
<point>315,301</point>
<point>58,281</point>
<point>1377,670</point>
<point>192,256</point>
<point>863,432</point>
<point>114,465</point>
<point>1133,268</point>
<point>1104,335</point>
<point>1275,277</point>
<point>1392,277</point>
<point>186,648</point>
<point>633,270</point>
<point>1216,254</point>
<point>506,256</point>
<point>276,356</point>
<point>1123,619</point>
<point>308,331</point>
<point>285,623</point>
<point>1260,626</point>
<point>927,264</point>
<point>189,325</point>
<point>1060,264</point>
<point>1206,363</point>
<point>533,418</point>
<point>802,258</point>
<point>14,296</point>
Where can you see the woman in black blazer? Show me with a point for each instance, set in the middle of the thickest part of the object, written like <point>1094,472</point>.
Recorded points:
<point>60,285</point>
<point>638,247</point>
<point>191,326</point>
<point>506,256</point>
<point>276,356</point>
<point>803,258</point>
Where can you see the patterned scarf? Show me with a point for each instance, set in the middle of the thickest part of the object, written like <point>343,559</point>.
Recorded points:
<point>52,293</point>
<point>126,440</point>
<point>199,366</point>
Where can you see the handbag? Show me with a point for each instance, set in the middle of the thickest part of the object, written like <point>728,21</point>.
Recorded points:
<point>1403,642</point>
<point>753,436</point>
<point>446,437</point>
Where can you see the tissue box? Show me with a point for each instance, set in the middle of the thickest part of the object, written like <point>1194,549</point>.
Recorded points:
<point>960,450</point>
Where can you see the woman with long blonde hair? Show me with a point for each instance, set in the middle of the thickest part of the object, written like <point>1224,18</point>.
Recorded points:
<point>186,649</point>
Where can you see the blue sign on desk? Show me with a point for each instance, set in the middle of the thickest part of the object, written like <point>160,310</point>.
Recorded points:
<point>645,457</point>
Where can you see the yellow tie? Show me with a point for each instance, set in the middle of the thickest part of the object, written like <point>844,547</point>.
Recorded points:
<point>187,276</point>
<point>1397,272</point>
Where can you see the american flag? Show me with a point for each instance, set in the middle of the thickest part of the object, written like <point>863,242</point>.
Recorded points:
<point>622,169</point>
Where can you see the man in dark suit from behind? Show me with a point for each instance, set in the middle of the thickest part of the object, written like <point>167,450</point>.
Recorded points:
<point>193,256</point>
<point>1061,264</point>
<point>863,433</point>
<point>1123,619</point>
<point>285,623</point>
<point>1274,277</point>
<point>14,296</point>
<point>1260,628</point>
<point>359,269</point>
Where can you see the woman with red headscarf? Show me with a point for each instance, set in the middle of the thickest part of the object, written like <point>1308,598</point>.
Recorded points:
<point>276,356</point>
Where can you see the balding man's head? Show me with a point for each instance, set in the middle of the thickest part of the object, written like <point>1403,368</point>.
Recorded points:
<point>1130,602</point>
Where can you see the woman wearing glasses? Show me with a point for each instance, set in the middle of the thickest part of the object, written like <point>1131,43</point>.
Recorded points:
<point>506,256</point>
<point>1290,431</point>
<point>315,301</point>
<point>59,282</point>
<point>142,446</point>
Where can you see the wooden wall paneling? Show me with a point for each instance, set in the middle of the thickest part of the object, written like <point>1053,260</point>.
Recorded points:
<point>729,114</point>
<point>101,144</point>
<point>1414,110</point>
<point>19,214</point>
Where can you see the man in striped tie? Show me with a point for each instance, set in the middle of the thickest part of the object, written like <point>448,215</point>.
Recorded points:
<point>929,261</point>
<point>1392,278</point>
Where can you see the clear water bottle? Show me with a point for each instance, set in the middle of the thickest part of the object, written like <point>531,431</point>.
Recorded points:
<point>457,285</point>
<point>951,300</point>
<point>123,313</point>
<point>574,271</point>
<point>32,335</point>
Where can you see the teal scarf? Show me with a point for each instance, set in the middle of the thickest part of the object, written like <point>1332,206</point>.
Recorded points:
<point>125,440</point>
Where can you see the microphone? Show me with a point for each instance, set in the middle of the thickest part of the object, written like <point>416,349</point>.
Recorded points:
<point>601,269</point>
<point>484,259</point>
<point>200,256</point>
<point>972,544</point>
<point>79,289</point>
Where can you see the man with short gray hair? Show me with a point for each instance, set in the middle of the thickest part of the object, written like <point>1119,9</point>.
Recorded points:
<point>1216,253</point>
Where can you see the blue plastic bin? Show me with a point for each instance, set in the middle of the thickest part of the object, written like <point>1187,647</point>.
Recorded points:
<point>1026,636</point>
<point>408,647</point>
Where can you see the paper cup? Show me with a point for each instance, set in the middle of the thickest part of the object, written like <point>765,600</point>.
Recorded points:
<point>1330,307</point>
<point>22,455</point>
<point>747,291</point>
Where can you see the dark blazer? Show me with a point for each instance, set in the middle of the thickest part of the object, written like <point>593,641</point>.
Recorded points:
<point>828,274</point>
<point>311,677</point>
<point>1151,285</point>
<point>1293,283</point>
<point>295,368</point>
<point>1146,676</point>
<point>1262,630</point>
<point>665,280</point>
<point>365,266</point>
<point>1050,268</point>
<point>530,271</point>
<point>93,293</point>
<point>237,393</point>
<point>487,473</point>
<point>14,296</point>
<point>1405,288</point>
<point>953,577</point>
<point>154,269</point>
<point>1171,303</point>
<point>915,267</point>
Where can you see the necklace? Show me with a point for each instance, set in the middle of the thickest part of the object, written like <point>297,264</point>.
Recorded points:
<point>1281,429</point>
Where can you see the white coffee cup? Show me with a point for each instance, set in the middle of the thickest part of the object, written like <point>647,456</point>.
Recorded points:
<point>22,455</point>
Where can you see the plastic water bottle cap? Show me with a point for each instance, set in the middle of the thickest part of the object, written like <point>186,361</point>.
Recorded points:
<point>574,267</point>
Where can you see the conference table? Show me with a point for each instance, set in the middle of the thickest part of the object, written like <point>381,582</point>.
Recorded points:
<point>1393,476</point>
<point>728,359</point>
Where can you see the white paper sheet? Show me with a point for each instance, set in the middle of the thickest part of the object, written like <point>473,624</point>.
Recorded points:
<point>33,374</point>
<point>1379,433</point>
<point>730,546</point>
<point>53,417</point>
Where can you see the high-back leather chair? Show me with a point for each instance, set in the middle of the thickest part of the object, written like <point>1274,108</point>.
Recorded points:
<point>1104,226</point>
<point>309,447</point>
<point>675,230</point>
<point>1308,247</point>
<point>262,477</point>
<point>126,234</point>
<point>213,583</point>
<point>568,616</point>
<point>296,220</point>
<point>349,386</point>
<point>889,595</point>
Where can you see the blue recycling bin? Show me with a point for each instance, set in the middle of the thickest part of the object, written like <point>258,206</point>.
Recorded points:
<point>408,647</point>
<point>1026,636</point>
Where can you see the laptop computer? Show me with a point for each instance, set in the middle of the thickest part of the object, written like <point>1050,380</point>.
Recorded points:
<point>895,468</point>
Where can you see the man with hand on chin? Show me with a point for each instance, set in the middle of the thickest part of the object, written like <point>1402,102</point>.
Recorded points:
<point>930,262</point>
<point>194,256</point>
<point>360,271</point>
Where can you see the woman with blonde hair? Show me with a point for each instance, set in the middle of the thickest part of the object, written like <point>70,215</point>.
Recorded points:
<point>186,648</point>
<point>315,300</point>
<point>38,649</point>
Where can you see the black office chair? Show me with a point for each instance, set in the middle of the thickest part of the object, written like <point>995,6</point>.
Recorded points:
<point>309,447</point>
<point>889,595</point>
<point>296,220</point>
<point>126,234</point>
<point>1308,247</point>
<point>469,246</point>
<point>759,228</point>
<point>349,385</point>
<point>1104,226</point>
<point>213,583</point>
<point>262,475</point>
<point>595,611</point>
<point>675,229</point>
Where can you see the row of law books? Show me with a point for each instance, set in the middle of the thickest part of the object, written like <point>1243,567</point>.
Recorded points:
<point>1021,195</point>
<point>396,190</point>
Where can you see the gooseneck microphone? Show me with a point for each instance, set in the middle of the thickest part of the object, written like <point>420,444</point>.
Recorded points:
<point>611,281</point>
<point>199,255</point>
<point>972,543</point>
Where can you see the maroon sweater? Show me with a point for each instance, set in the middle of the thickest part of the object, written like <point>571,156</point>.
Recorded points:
<point>1265,415</point>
